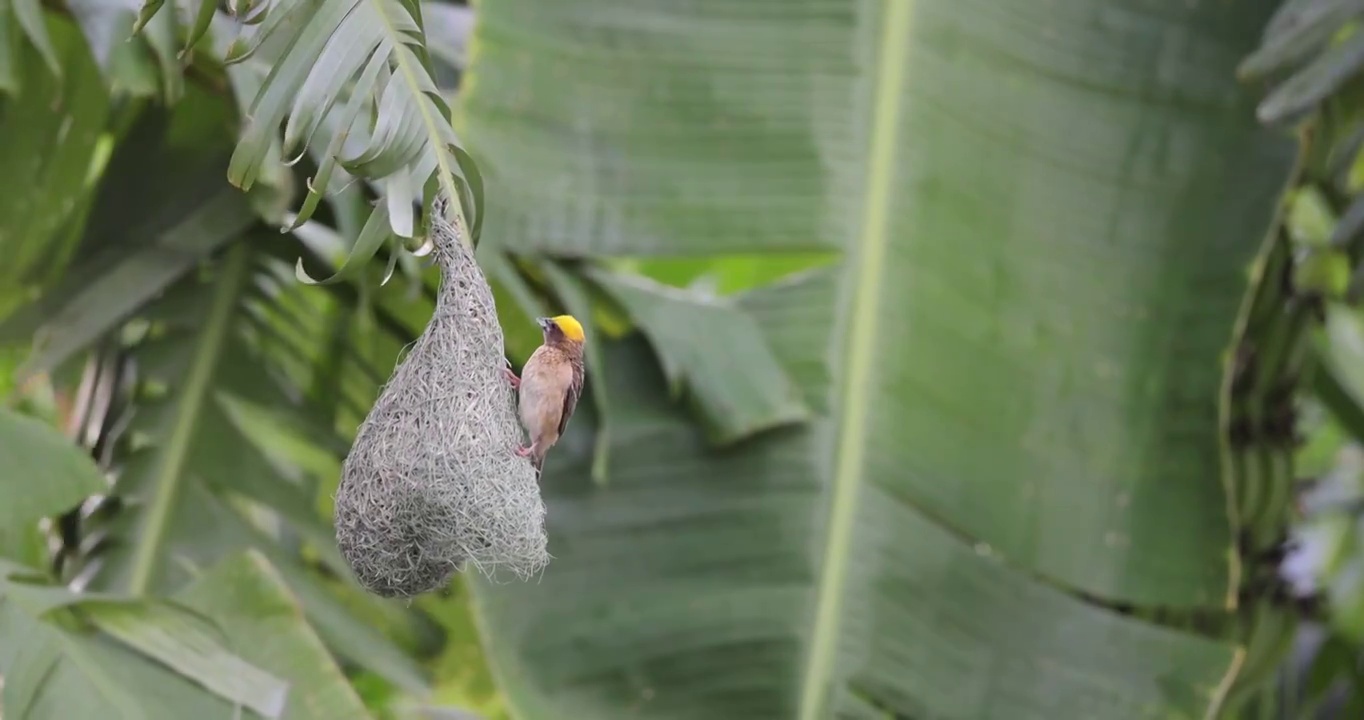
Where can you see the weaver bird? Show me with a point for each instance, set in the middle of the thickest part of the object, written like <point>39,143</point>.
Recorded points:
<point>549,385</point>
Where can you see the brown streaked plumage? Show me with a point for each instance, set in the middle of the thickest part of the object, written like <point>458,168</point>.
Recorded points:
<point>550,385</point>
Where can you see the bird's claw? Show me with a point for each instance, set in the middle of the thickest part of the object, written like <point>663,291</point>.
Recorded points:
<point>511,377</point>
<point>522,451</point>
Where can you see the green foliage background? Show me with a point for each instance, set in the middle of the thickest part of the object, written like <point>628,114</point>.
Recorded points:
<point>945,359</point>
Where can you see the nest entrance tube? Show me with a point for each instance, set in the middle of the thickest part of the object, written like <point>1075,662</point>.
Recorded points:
<point>432,480</point>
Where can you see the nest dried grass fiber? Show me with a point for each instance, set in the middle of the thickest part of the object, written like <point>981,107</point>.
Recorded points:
<point>433,481</point>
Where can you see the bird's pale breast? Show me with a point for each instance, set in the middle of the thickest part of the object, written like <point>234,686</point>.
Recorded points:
<point>544,380</point>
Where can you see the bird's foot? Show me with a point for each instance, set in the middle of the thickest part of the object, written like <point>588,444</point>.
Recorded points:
<point>511,378</point>
<point>523,451</point>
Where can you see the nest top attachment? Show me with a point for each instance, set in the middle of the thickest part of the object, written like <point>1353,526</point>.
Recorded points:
<point>433,480</point>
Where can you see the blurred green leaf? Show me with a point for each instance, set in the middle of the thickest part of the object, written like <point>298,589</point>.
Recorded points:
<point>1298,30</point>
<point>125,60</point>
<point>197,468</point>
<point>1011,368</point>
<point>1343,404</point>
<point>48,135</point>
<point>30,16</point>
<point>1344,350</point>
<point>80,310</point>
<point>162,206</point>
<point>431,712</point>
<point>236,623</point>
<point>58,674</point>
<point>54,672</point>
<point>1350,225</point>
<point>1324,271</point>
<point>9,49</point>
<point>448,27</point>
<point>161,35</point>
<point>1326,74</point>
<point>463,677</point>
<point>723,274</point>
<point>248,599</point>
<point>683,590</point>
<point>184,643</point>
<point>43,472</point>
<point>1310,219</point>
<point>718,351</point>
<point>356,638</point>
<point>1336,659</point>
<point>162,472</point>
<point>1031,347</point>
<point>518,304</point>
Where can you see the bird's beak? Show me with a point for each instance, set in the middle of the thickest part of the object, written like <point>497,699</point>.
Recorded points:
<point>544,323</point>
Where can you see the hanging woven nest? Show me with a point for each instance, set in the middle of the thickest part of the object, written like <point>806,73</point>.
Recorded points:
<point>432,481</point>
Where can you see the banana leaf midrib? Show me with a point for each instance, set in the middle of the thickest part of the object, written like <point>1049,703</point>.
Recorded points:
<point>864,272</point>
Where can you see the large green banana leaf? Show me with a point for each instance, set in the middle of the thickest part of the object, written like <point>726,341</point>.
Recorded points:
<point>1045,212</point>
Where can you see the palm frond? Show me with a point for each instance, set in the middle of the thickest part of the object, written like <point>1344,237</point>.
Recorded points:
<point>351,82</point>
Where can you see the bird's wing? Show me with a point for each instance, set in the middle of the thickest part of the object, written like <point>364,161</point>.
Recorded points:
<point>575,388</point>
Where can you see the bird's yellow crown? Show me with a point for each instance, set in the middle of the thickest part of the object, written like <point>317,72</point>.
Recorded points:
<point>572,329</point>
